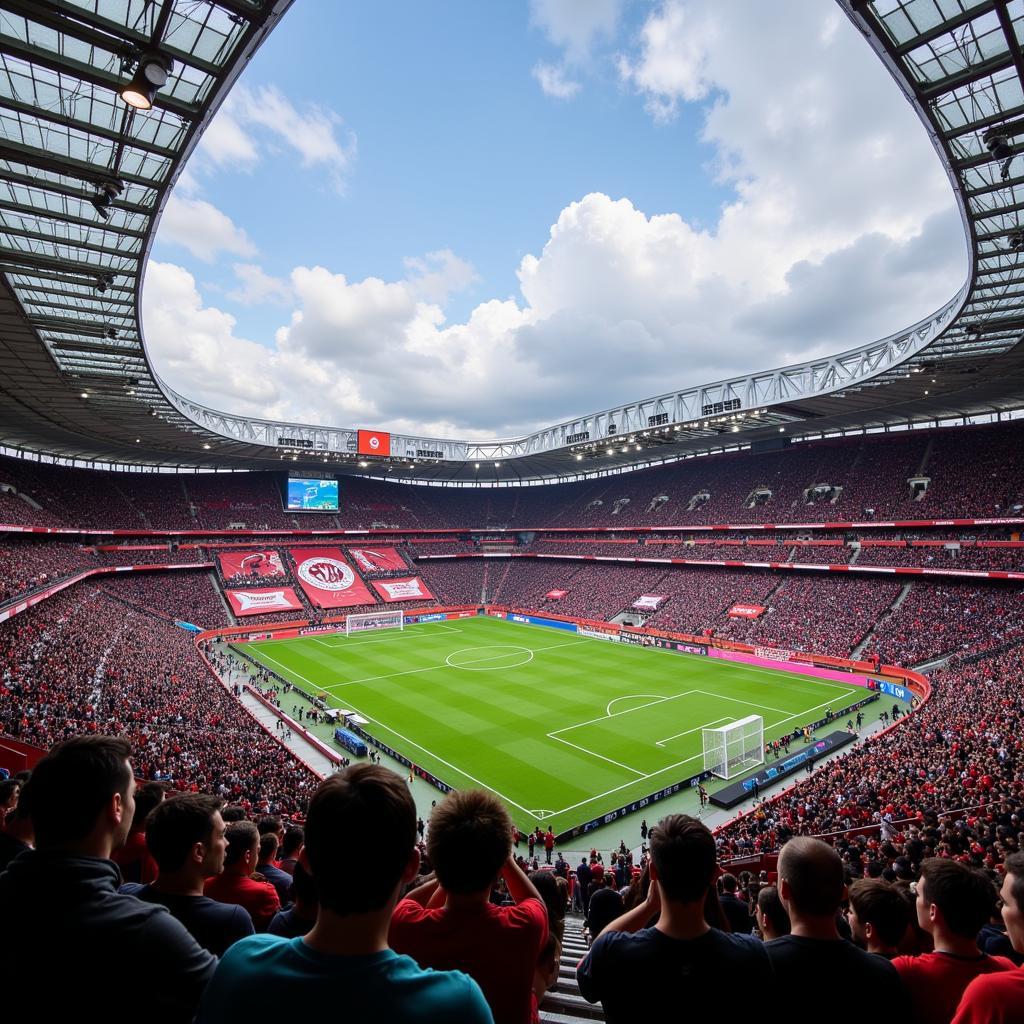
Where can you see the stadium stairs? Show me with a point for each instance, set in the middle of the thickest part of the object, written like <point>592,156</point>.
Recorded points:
<point>564,1004</point>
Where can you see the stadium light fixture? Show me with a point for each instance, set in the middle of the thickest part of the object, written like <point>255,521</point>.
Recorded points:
<point>138,440</point>
<point>363,465</point>
<point>206,447</point>
<point>579,458</point>
<point>998,146</point>
<point>150,76</point>
<point>476,465</point>
<point>497,464</point>
<point>85,394</point>
<point>104,198</point>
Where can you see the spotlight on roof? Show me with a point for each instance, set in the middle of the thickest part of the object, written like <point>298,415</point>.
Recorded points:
<point>998,146</point>
<point>103,282</point>
<point>206,447</point>
<point>104,198</point>
<point>1015,241</point>
<point>150,76</point>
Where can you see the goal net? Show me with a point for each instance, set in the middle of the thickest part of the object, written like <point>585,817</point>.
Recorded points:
<point>732,749</point>
<point>374,620</point>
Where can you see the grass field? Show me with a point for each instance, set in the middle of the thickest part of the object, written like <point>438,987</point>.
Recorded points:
<point>562,727</point>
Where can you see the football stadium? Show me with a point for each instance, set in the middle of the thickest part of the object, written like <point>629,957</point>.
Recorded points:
<point>484,706</point>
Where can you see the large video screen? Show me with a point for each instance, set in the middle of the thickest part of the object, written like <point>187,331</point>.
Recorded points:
<point>312,495</point>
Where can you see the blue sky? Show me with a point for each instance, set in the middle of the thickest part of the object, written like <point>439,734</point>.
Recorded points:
<point>474,219</point>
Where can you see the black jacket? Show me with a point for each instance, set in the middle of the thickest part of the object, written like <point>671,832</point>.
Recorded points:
<point>76,949</point>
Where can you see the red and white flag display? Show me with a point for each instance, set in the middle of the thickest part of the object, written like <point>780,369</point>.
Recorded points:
<point>410,589</point>
<point>649,602</point>
<point>264,564</point>
<point>260,600</point>
<point>556,595</point>
<point>746,611</point>
<point>377,559</point>
<point>327,579</point>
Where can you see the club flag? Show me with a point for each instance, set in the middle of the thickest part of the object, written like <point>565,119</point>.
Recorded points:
<point>263,564</point>
<point>411,588</point>
<point>377,559</point>
<point>261,600</point>
<point>327,579</point>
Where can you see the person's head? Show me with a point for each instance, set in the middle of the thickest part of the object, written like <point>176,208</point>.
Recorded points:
<point>148,797</point>
<point>810,878</point>
<point>268,847</point>
<point>546,883</point>
<point>187,833</point>
<point>303,891</point>
<point>469,840</point>
<point>271,823</point>
<point>879,914</point>
<point>729,883</point>
<point>772,919</point>
<point>1012,895</point>
<point>9,791</point>
<point>243,847</point>
<point>292,843</point>
<point>362,800</point>
<point>82,793</point>
<point>954,898</point>
<point>233,812</point>
<point>683,858</point>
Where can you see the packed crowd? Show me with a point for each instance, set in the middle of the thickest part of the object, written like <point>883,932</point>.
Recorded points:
<point>27,565</point>
<point>190,596</point>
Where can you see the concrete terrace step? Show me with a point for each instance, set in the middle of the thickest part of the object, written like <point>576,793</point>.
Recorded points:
<point>571,1005</point>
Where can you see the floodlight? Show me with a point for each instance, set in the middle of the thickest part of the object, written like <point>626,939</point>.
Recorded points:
<point>998,146</point>
<point>150,76</point>
<point>104,198</point>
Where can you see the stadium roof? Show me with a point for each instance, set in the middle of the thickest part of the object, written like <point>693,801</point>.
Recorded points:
<point>84,178</point>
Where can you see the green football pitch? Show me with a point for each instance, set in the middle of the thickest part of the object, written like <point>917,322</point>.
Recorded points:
<point>563,727</point>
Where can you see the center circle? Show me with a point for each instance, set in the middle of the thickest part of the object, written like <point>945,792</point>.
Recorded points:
<point>489,659</point>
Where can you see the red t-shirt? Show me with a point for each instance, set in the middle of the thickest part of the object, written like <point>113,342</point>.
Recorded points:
<point>496,946</point>
<point>936,981</point>
<point>993,999</point>
<point>259,898</point>
<point>134,859</point>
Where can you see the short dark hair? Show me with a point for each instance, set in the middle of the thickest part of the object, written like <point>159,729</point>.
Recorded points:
<point>728,882</point>
<point>148,797</point>
<point>234,812</point>
<point>292,842</point>
<point>363,800</point>
<point>242,836</point>
<point>303,887</point>
<point>72,784</point>
<point>882,906</point>
<point>965,896</point>
<point>9,788</point>
<point>684,855</point>
<point>268,823</point>
<point>1014,865</point>
<point>268,845</point>
<point>469,840</point>
<point>176,825</point>
<point>769,903</point>
<point>814,873</point>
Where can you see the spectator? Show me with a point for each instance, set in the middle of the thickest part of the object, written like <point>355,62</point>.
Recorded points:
<point>345,957</point>
<point>772,919</point>
<point>81,799</point>
<point>811,889</point>
<point>953,903</point>
<point>879,916</point>
<point>737,913</point>
<point>301,915</point>
<point>998,998</point>
<point>681,958</point>
<point>134,859</point>
<point>605,905</point>
<point>10,789</point>
<point>449,922</point>
<point>290,847</point>
<point>185,836</point>
<point>265,865</point>
<point>16,835</point>
<point>236,883</point>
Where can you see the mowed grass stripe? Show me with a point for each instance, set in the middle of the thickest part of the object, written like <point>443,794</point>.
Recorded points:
<point>490,727</point>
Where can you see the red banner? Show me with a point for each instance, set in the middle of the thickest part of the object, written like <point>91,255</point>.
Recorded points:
<point>260,600</point>
<point>373,442</point>
<point>412,588</point>
<point>328,579</point>
<point>746,611</point>
<point>264,564</point>
<point>556,595</point>
<point>377,559</point>
<point>649,602</point>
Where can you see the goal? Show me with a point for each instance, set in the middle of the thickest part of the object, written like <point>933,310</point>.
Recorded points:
<point>374,620</point>
<point>734,748</point>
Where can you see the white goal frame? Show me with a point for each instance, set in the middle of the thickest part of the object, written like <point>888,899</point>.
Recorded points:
<point>374,620</point>
<point>733,749</point>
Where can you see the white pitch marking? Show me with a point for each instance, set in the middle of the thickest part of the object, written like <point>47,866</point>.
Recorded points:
<point>618,764</point>
<point>639,707</point>
<point>706,725</point>
<point>608,709</point>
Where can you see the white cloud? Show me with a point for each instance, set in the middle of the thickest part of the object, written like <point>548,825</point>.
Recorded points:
<point>254,121</point>
<point>553,81</point>
<point>839,229</point>
<point>256,287</point>
<point>202,229</point>
<point>575,25</point>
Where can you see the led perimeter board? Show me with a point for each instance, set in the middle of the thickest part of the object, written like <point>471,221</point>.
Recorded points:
<point>312,495</point>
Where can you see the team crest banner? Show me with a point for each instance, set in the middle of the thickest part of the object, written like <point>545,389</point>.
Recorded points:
<point>649,602</point>
<point>262,564</point>
<point>410,589</point>
<point>377,559</point>
<point>327,579</point>
<point>261,600</point>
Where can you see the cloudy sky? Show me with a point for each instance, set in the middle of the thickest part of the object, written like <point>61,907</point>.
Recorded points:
<point>471,220</point>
